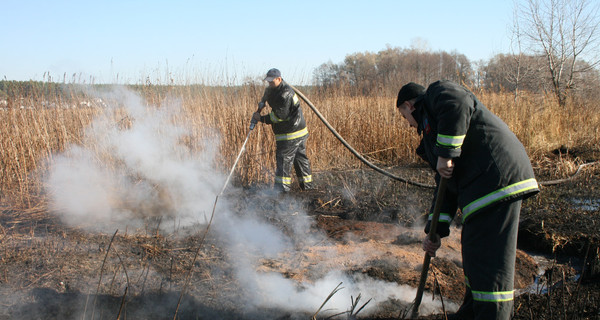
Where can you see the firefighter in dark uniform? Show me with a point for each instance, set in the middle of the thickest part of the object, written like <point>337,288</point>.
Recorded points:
<point>489,174</point>
<point>290,131</point>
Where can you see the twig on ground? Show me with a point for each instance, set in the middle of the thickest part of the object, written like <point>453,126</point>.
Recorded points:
<point>124,268</point>
<point>112,282</point>
<point>351,313</point>
<point>436,283</point>
<point>354,304</point>
<point>549,285</point>
<point>145,277</point>
<point>562,293</point>
<point>328,202</point>
<point>404,312</point>
<point>559,181</point>
<point>171,272</point>
<point>38,278</point>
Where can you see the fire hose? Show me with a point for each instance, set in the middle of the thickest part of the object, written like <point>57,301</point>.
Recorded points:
<point>352,150</point>
<point>391,175</point>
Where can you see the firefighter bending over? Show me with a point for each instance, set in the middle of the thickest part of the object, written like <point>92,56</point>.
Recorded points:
<point>489,174</point>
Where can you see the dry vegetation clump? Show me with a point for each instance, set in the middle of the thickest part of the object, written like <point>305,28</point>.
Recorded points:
<point>29,138</point>
<point>542,125</point>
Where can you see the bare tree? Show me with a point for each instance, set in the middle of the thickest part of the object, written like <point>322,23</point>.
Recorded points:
<point>329,75</point>
<point>516,45</point>
<point>516,73</point>
<point>362,70</point>
<point>564,32</point>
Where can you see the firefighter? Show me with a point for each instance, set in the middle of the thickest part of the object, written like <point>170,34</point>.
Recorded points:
<point>290,131</point>
<point>489,174</point>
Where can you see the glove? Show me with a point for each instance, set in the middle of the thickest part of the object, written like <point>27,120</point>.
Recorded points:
<point>255,119</point>
<point>430,246</point>
<point>443,228</point>
<point>261,105</point>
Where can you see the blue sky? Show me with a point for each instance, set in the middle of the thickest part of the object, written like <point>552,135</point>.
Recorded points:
<point>229,41</point>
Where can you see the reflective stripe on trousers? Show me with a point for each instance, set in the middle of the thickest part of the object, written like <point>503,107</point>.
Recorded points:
<point>284,180</point>
<point>292,153</point>
<point>490,296</point>
<point>489,246</point>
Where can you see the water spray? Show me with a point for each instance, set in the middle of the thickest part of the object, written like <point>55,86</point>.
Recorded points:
<point>212,215</point>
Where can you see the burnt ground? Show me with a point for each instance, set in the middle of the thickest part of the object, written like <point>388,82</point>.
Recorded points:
<point>50,270</point>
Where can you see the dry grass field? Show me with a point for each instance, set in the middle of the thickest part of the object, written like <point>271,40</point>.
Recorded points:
<point>37,127</point>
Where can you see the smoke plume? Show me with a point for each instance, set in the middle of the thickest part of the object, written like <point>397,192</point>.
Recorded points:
<point>131,166</point>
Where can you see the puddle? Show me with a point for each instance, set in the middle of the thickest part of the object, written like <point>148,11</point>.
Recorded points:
<point>586,204</point>
<point>545,262</point>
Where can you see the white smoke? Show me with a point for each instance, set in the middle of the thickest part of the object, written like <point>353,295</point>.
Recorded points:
<point>251,241</point>
<point>133,167</point>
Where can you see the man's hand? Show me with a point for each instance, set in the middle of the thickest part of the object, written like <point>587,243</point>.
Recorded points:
<point>256,116</point>
<point>431,246</point>
<point>445,167</point>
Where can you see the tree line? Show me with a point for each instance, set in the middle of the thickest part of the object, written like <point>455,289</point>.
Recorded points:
<point>555,48</point>
<point>388,69</point>
<point>384,72</point>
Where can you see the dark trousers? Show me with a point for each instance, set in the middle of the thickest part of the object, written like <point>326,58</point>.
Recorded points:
<point>489,245</point>
<point>292,153</point>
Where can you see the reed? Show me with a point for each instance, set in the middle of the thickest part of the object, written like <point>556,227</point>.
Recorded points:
<point>39,125</point>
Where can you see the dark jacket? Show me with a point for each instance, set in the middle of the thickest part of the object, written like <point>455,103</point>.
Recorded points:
<point>286,115</point>
<point>491,164</point>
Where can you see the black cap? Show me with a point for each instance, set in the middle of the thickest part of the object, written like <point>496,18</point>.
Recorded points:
<point>409,91</point>
<point>272,74</point>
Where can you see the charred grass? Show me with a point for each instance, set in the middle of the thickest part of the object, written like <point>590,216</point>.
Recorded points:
<point>52,271</point>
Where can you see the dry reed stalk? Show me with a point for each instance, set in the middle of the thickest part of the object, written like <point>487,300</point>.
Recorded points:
<point>122,305</point>
<point>196,254</point>
<point>333,292</point>
<point>436,284</point>
<point>100,277</point>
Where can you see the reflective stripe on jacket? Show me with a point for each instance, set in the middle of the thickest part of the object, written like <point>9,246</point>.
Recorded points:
<point>291,136</point>
<point>490,163</point>
<point>286,116</point>
<point>520,187</point>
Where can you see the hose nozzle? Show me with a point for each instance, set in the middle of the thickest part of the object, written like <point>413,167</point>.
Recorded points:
<point>253,122</point>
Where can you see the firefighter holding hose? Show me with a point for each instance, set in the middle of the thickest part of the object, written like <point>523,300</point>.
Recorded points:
<point>289,127</point>
<point>488,175</point>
